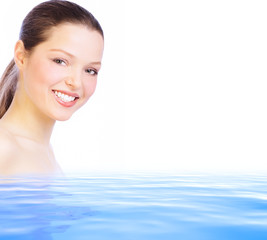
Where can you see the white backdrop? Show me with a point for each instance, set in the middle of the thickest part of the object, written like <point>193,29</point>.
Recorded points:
<point>183,87</point>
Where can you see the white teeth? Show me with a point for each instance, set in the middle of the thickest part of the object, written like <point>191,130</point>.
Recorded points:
<point>64,97</point>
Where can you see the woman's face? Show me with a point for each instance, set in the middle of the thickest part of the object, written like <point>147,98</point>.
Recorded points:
<point>60,74</point>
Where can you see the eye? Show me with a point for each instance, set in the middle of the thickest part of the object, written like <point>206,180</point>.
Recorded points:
<point>91,71</point>
<point>59,61</point>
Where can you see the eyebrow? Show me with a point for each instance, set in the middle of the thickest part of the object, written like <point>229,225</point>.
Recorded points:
<point>71,55</point>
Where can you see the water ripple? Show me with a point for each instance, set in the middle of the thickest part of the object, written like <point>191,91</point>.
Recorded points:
<point>134,207</point>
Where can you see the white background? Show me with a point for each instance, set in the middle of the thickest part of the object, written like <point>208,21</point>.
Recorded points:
<point>182,88</point>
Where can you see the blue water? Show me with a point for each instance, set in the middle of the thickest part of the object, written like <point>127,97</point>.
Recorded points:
<point>135,207</point>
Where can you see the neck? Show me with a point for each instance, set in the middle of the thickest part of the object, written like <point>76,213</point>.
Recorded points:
<point>25,120</point>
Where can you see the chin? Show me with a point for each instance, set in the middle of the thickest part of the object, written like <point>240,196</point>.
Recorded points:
<point>61,118</point>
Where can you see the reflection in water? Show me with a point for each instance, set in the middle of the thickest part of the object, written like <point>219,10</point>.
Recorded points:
<point>29,209</point>
<point>139,207</point>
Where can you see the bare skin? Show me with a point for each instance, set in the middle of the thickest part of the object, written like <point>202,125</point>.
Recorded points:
<point>67,62</point>
<point>22,156</point>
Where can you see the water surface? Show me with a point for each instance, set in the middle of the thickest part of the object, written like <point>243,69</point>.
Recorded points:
<point>135,207</point>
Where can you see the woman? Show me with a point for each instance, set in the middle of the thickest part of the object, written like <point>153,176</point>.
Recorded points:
<point>54,73</point>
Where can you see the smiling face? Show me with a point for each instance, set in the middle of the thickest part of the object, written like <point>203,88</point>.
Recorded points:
<point>60,74</point>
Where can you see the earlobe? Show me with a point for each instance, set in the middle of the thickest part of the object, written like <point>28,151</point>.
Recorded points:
<point>19,54</point>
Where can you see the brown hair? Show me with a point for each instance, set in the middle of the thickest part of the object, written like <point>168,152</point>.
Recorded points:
<point>35,29</point>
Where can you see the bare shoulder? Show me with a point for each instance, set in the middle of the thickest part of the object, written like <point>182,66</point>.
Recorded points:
<point>8,149</point>
<point>8,142</point>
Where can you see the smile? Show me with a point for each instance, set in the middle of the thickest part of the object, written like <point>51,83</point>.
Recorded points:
<point>64,97</point>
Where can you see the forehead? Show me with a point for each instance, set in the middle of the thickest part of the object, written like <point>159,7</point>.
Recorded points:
<point>76,39</point>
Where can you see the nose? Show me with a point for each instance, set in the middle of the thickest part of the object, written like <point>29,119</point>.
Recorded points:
<point>73,80</point>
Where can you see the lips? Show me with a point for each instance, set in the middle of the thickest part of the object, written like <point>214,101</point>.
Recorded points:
<point>66,99</point>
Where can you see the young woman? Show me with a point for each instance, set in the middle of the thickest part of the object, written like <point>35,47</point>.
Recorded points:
<point>53,73</point>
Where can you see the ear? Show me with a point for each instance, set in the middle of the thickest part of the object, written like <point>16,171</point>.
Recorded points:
<point>19,54</point>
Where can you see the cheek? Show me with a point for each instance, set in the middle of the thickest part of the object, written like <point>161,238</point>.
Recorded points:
<point>50,74</point>
<point>89,87</point>
<point>44,73</point>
